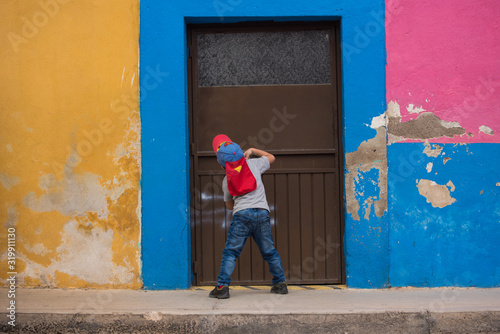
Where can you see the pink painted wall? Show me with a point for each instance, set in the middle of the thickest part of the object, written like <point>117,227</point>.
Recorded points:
<point>444,56</point>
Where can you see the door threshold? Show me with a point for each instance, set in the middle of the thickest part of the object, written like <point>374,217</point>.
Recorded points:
<point>264,287</point>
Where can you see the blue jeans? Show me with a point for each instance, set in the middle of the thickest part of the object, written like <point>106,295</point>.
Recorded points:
<point>257,224</point>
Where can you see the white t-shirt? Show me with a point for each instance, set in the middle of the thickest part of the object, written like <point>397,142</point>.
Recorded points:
<point>255,199</point>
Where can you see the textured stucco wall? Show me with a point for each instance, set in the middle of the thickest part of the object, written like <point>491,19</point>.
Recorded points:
<point>444,58</point>
<point>443,123</point>
<point>421,147</point>
<point>70,142</point>
<point>164,111</point>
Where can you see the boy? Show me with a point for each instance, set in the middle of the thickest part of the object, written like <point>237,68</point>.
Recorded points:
<point>244,193</point>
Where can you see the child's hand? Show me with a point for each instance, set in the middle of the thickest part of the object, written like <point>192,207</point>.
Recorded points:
<point>248,153</point>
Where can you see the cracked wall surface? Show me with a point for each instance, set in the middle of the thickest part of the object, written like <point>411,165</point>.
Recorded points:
<point>371,154</point>
<point>70,142</point>
<point>425,126</point>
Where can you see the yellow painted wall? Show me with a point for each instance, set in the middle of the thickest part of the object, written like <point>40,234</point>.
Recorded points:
<point>70,142</point>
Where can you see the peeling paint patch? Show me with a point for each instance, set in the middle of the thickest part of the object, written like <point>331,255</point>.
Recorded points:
<point>432,152</point>
<point>414,110</point>
<point>378,122</point>
<point>498,184</point>
<point>486,129</point>
<point>8,181</point>
<point>425,126</point>
<point>86,254</point>
<point>368,207</point>
<point>371,154</point>
<point>121,151</point>
<point>74,195</point>
<point>9,148</point>
<point>445,160</point>
<point>438,195</point>
<point>429,167</point>
<point>12,217</point>
<point>38,248</point>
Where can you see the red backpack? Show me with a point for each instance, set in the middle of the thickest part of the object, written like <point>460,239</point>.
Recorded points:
<point>240,179</point>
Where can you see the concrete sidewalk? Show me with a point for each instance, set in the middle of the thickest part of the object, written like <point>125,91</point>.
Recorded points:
<point>255,310</point>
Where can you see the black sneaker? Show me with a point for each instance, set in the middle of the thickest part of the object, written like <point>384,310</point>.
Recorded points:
<point>221,292</point>
<point>280,288</point>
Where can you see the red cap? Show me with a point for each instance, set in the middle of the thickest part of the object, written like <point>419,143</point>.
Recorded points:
<point>219,140</point>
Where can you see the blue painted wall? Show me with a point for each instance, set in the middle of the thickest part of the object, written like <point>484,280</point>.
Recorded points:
<point>456,245</point>
<point>367,241</point>
<point>166,244</point>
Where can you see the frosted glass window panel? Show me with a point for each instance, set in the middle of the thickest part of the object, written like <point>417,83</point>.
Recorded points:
<point>264,58</point>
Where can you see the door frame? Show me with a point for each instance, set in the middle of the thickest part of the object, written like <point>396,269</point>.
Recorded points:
<point>336,74</point>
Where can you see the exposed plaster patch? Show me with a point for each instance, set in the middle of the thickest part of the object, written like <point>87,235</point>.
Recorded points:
<point>38,248</point>
<point>73,195</point>
<point>368,207</point>
<point>86,254</point>
<point>450,125</point>
<point>393,110</point>
<point>432,152</point>
<point>486,129</point>
<point>414,110</point>
<point>8,181</point>
<point>99,244</point>
<point>120,151</point>
<point>115,188</point>
<point>429,167</point>
<point>133,138</point>
<point>425,126</point>
<point>498,184</point>
<point>371,154</point>
<point>445,160</point>
<point>76,195</point>
<point>378,121</point>
<point>438,195</point>
<point>12,217</point>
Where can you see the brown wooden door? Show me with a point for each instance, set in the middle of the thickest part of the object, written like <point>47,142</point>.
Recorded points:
<point>274,87</point>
